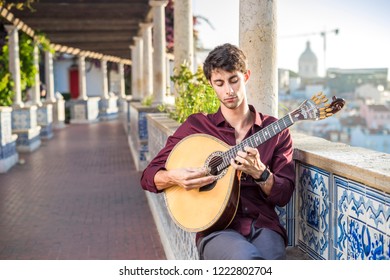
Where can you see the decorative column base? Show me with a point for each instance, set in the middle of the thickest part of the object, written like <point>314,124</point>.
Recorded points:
<point>59,112</point>
<point>138,138</point>
<point>8,154</point>
<point>45,121</point>
<point>108,108</point>
<point>24,124</point>
<point>84,111</point>
<point>28,140</point>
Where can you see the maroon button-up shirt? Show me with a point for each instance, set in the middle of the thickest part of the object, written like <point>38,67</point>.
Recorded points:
<point>254,206</point>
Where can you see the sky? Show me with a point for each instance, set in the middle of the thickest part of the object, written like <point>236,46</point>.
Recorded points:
<point>363,40</point>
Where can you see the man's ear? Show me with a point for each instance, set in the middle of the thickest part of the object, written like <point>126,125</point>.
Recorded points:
<point>247,75</point>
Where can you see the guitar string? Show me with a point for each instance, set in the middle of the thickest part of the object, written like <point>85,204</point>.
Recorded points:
<point>276,128</point>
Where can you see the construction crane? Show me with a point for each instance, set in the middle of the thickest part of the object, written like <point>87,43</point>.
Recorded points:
<point>323,33</point>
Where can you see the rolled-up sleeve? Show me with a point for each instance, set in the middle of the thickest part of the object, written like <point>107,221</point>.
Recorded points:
<point>282,166</point>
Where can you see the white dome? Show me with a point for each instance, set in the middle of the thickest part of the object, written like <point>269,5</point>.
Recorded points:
<point>308,55</point>
<point>308,63</point>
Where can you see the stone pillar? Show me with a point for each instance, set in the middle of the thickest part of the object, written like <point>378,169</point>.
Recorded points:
<point>122,98</point>
<point>159,51</point>
<point>108,108</point>
<point>84,109</point>
<point>183,33</point>
<point>147,59</point>
<point>139,66</point>
<point>45,110</point>
<point>258,26</point>
<point>24,119</point>
<point>134,74</point>
<point>122,93</point>
<point>36,90</point>
<point>104,79</point>
<point>49,75</point>
<point>14,63</point>
<point>82,79</point>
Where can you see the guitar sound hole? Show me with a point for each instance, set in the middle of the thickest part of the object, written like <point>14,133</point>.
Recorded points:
<point>212,164</point>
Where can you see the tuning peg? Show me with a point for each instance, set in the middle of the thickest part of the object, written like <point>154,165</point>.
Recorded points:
<point>329,114</point>
<point>316,100</point>
<point>328,110</point>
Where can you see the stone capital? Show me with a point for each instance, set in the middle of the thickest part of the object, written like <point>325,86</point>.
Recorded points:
<point>156,3</point>
<point>145,25</point>
<point>10,28</point>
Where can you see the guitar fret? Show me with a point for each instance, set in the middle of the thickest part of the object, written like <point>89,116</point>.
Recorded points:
<point>256,139</point>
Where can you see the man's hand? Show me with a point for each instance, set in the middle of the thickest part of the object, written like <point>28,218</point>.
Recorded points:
<point>249,162</point>
<point>187,178</point>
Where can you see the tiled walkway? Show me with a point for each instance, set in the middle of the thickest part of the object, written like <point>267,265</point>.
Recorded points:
<point>77,197</point>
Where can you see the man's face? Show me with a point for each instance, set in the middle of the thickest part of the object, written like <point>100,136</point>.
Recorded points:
<point>229,86</point>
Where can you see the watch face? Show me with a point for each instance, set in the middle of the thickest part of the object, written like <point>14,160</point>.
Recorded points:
<point>264,176</point>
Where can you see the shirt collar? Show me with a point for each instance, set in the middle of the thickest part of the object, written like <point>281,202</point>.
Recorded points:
<point>220,120</point>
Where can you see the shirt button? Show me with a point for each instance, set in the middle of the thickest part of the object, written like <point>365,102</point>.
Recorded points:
<point>246,209</point>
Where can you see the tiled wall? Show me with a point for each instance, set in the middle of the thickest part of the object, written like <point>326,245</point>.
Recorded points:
<point>8,153</point>
<point>339,218</point>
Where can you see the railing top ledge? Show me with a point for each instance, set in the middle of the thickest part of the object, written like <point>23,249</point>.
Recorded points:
<point>366,166</point>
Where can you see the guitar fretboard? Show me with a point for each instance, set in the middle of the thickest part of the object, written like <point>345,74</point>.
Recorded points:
<point>256,139</point>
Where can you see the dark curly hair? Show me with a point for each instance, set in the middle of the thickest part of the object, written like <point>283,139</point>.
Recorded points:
<point>226,57</point>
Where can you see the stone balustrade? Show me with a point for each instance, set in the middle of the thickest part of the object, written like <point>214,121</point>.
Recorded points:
<point>8,154</point>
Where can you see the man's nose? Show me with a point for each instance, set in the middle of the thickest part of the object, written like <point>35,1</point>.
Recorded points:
<point>229,89</point>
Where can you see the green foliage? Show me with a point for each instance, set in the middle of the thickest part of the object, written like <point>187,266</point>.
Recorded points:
<point>27,67</point>
<point>19,5</point>
<point>26,56</point>
<point>147,101</point>
<point>6,82</point>
<point>195,94</point>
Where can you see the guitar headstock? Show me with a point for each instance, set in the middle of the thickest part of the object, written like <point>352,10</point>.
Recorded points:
<point>318,108</point>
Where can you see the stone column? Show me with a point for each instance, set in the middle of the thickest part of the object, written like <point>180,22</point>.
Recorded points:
<point>258,26</point>
<point>159,50</point>
<point>36,90</point>
<point>104,79</point>
<point>134,74</point>
<point>122,93</point>
<point>49,76</point>
<point>14,63</point>
<point>147,59</point>
<point>139,46</point>
<point>183,33</point>
<point>82,79</point>
<point>122,99</point>
<point>84,109</point>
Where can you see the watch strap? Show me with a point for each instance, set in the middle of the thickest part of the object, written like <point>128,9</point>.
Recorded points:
<point>264,176</point>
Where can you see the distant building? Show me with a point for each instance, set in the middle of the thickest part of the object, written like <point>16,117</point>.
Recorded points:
<point>308,63</point>
<point>347,80</point>
<point>378,140</point>
<point>369,93</point>
<point>288,81</point>
<point>377,116</point>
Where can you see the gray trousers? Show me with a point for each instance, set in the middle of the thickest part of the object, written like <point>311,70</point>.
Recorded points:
<point>262,244</point>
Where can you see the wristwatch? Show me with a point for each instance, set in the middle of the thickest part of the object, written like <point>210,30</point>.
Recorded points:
<point>263,177</point>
